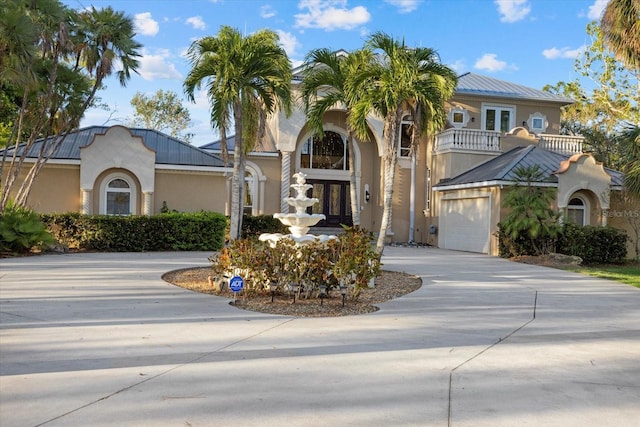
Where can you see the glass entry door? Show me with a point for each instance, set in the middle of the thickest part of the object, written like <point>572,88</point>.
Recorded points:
<point>334,202</point>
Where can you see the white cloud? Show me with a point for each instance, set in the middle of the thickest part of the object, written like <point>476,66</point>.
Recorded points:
<point>459,66</point>
<point>144,24</point>
<point>330,15</point>
<point>267,11</point>
<point>404,6</point>
<point>289,42</point>
<point>196,22</point>
<point>157,66</point>
<point>512,10</point>
<point>490,62</point>
<point>596,9</point>
<point>562,53</point>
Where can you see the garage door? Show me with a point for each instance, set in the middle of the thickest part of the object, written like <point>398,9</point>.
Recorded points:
<point>465,224</point>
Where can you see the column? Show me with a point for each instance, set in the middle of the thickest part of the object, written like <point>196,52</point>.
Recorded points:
<point>285,181</point>
<point>86,202</point>
<point>146,208</point>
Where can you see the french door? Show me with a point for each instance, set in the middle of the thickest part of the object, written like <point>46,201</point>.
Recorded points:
<point>334,202</point>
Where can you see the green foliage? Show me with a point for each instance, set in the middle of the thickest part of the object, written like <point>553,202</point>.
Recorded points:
<point>349,260</point>
<point>163,112</point>
<point>21,230</point>
<point>595,245</point>
<point>201,231</point>
<point>254,226</point>
<point>247,79</point>
<point>530,214</point>
<point>53,60</point>
<point>599,113</point>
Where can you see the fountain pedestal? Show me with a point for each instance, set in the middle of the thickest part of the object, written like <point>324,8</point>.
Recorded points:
<point>300,221</point>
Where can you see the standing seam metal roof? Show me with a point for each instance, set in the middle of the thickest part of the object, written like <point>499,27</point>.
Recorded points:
<point>503,168</point>
<point>169,150</point>
<point>475,84</point>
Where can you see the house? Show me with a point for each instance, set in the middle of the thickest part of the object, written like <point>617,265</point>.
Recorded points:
<point>448,193</point>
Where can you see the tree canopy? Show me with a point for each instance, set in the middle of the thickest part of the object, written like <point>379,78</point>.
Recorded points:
<point>163,111</point>
<point>54,60</point>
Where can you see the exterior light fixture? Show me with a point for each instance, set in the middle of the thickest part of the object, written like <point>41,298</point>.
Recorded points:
<point>323,292</point>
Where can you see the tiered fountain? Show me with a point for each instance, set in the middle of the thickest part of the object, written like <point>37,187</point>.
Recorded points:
<point>300,221</point>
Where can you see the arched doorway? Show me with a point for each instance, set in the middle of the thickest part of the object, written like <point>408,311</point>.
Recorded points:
<point>325,162</point>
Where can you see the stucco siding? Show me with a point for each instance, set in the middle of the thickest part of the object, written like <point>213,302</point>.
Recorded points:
<point>56,189</point>
<point>190,192</point>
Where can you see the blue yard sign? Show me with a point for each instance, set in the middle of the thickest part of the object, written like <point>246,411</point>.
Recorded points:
<point>236,283</point>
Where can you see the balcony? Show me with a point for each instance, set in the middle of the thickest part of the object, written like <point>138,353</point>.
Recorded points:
<point>563,144</point>
<point>473,140</point>
<point>468,140</point>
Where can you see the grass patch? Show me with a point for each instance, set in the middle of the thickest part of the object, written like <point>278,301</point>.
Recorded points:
<point>628,273</point>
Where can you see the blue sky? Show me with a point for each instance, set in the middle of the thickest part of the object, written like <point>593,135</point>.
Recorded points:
<point>530,42</point>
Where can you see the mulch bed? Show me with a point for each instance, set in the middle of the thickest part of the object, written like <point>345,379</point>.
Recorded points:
<point>388,285</point>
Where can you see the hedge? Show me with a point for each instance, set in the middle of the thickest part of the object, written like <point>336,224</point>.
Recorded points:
<point>595,245</point>
<point>199,231</point>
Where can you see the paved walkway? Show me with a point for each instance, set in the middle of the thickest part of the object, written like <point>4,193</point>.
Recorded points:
<point>101,340</point>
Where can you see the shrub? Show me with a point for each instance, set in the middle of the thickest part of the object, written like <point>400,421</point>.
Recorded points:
<point>21,230</point>
<point>349,259</point>
<point>200,231</point>
<point>595,245</point>
<point>254,226</point>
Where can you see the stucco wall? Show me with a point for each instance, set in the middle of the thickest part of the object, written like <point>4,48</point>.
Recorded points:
<point>62,197</point>
<point>190,191</point>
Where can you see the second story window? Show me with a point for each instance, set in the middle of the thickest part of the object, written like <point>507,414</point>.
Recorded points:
<point>406,128</point>
<point>330,152</point>
<point>498,118</point>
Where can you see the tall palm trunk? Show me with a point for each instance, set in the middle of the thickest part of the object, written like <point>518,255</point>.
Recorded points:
<point>237,181</point>
<point>390,160</point>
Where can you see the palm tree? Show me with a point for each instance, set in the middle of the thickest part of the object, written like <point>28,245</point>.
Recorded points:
<point>76,53</point>
<point>400,81</point>
<point>620,27</point>
<point>249,78</point>
<point>621,30</point>
<point>629,140</point>
<point>330,72</point>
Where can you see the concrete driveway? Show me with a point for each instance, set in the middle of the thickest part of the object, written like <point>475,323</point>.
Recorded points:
<point>101,340</point>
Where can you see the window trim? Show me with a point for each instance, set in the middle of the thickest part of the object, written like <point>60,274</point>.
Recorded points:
<point>498,108</point>
<point>465,117</point>
<point>585,208</point>
<point>533,118</point>
<point>105,189</point>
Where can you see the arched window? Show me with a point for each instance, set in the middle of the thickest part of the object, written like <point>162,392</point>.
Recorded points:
<point>330,152</point>
<point>118,197</point>
<point>577,211</point>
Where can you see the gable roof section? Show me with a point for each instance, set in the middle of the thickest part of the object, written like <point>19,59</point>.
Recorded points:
<point>476,84</point>
<point>501,170</point>
<point>169,150</point>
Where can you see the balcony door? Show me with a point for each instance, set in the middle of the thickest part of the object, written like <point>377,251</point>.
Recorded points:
<point>499,118</point>
<point>333,201</point>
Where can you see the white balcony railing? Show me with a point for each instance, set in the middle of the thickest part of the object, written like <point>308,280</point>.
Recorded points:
<point>468,139</point>
<point>563,144</point>
<point>489,141</point>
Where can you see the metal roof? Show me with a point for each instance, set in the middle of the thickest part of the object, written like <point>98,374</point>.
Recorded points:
<point>169,150</point>
<point>261,147</point>
<point>503,168</point>
<point>475,84</point>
